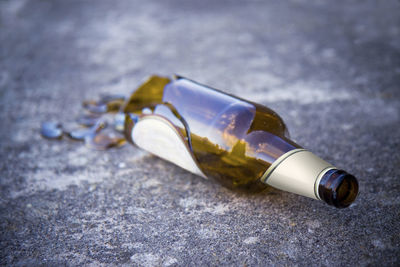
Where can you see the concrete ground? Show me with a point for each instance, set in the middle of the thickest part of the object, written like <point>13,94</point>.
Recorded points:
<point>330,69</point>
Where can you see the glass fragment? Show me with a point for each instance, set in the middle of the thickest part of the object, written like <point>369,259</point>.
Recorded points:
<point>105,98</point>
<point>119,122</point>
<point>51,130</point>
<point>88,120</point>
<point>79,134</point>
<point>103,141</point>
<point>94,107</point>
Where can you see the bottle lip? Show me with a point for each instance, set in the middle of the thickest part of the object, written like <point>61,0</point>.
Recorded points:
<point>338,188</point>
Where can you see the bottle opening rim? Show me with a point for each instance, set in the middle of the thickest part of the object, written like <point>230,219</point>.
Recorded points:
<point>338,188</point>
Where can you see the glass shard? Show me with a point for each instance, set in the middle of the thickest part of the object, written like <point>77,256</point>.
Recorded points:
<point>79,134</point>
<point>88,120</point>
<point>105,98</point>
<point>114,105</point>
<point>119,122</point>
<point>51,130</point>
<point>94,107</point>
<point>101,107</point>
<point>103,141</point>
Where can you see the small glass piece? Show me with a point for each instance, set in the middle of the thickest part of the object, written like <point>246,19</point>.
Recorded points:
<point>119,122</point>
<point>88,120</point>
<point>94,107</point>
<point>101,107</point>
<point>51,130</point>
<point>100,125</point>
<point>103,141</point>
<point>114,105</point>
<point>147,111</point>
<point>81,133</point>
<point>105,98</point>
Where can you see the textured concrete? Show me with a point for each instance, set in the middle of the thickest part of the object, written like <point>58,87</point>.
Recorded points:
<point>331,69</point>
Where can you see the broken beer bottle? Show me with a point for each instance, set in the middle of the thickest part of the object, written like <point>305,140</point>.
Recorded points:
<point>235,141</point>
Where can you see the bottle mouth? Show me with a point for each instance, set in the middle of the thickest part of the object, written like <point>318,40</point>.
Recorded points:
<point>338,188</point>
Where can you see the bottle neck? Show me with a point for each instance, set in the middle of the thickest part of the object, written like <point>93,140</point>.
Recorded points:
<point>301,172</point>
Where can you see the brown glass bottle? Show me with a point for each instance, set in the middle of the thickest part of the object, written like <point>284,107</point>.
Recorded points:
<point>235,141</point>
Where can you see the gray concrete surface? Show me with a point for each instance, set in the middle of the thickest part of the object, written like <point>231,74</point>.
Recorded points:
<point>330,68</point>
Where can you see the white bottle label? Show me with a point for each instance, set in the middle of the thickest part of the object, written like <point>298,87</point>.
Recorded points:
<point>298,171</point>
<point>158,136</point>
